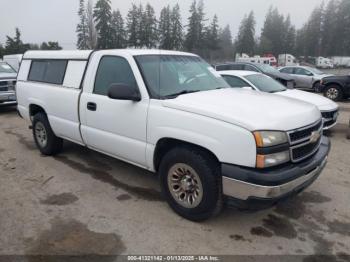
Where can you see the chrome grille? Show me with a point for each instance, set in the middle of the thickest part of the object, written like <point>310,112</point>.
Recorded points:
<point>303,144</point>
<point>7,86</point>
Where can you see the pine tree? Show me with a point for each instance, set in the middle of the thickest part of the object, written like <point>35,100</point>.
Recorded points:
<point>15,45</point>
<point>313,32</point>
<point>92,35</point>
<point>272,37</point>
<point>329,29</point>
<point>176,28</point>
<point>133,24</point>
<point>211,44</point>
<point>289,36</point>
<point>225,44</point>
<point>195,32</point>
<point>149,27</point>
<point>2,51</point>
<point>82,27</point>
<point>50,46</point>
<point>103,18</point>
<point>342,30</point>
<point>192,36</point>
<point>119,34</point>
<point>201,25</point>
<point>245,42</point>
<point>165,29</point>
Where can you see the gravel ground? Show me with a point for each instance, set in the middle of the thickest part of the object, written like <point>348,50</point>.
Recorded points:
<point>82,202</point>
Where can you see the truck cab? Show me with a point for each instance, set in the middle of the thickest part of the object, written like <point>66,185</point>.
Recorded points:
<point>172,113</point>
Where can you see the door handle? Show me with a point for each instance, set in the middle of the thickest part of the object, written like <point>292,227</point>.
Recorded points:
<point>91,106</point>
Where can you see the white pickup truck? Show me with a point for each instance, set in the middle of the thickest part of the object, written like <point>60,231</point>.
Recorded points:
<point>171,113</point>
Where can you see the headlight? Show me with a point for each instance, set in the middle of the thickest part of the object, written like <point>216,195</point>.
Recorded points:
<point>264,161</point>
<point>270,138</point>
<point>272,148</point>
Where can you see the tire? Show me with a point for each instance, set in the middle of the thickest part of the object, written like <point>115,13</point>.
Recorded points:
<point>316,87</point>
<point>182,164</point>
<point>44,138</point>
<point>334,93</point>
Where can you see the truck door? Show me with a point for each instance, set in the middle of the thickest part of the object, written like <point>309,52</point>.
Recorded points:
<point>114,127</point>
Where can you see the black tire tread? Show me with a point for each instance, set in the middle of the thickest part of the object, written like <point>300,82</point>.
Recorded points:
<point>340,96</point>
<point>54,143</point>
<point>210,166</point>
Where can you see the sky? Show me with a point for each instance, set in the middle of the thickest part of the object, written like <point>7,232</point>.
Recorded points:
<point>56,20</point>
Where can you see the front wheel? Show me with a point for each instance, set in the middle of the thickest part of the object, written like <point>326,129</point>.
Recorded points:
<point>316,87</point>
<point>46,141</point>
<point>191,183</point>
<point>334,93</point>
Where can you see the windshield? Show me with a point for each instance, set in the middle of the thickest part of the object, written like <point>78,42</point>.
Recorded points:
<point>168,76</point>
<point>315,71</point>
<point>268,69</point>
<point>265,83</point>
<point>5,68</point>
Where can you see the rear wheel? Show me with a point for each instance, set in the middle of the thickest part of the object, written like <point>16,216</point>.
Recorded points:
<point>334,93</point>
<point>44,138</point>
<point>191,183</point>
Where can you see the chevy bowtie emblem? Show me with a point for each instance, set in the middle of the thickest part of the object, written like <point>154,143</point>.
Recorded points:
<point>315,136</point>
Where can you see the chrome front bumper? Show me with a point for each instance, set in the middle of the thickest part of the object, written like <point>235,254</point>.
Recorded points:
<point>8,98</point>
<point>243,190</point>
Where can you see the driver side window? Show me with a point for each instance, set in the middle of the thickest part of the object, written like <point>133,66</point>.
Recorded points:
<point>113,70</point>
<point>234,81</point>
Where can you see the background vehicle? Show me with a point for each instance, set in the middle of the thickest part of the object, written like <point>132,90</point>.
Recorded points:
<point>268,59</point>
<point>305,77</point>
<point>13,60</point>
<point>7,84</point>
<point>172,113</point>
<point>336,87</point>
<point>322,62</point>
<point>263,83</point>
<point>284,79</point>
<point>287,60</point>
<point>341,61</point>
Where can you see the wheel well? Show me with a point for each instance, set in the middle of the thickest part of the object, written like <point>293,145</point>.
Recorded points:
<point>164,145</point>
<point>34,109</point>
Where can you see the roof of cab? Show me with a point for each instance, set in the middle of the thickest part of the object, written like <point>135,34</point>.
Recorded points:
<point>84,55</point>
<point>238,73</point>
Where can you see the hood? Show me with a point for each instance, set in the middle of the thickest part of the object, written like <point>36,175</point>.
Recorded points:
<point>249,109</point>
<point>336,78</point>
<point>8,76</point>
<point>280,75</point>
<point>323,103</point>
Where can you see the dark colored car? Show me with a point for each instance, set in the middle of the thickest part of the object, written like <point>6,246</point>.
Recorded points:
<point>335,87</point>
<point>266,69</point>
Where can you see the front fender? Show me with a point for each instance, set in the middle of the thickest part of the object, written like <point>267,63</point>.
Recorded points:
<point>229,143</point>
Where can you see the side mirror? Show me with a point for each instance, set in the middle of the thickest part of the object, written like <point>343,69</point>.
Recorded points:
<point>124,92</point>
<point>248,88</point>
<point>309,74</point>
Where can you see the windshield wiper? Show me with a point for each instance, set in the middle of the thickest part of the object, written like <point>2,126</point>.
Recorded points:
<point>183,92</point>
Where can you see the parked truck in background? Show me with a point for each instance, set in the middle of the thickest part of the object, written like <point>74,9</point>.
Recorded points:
<point>341,61</point>
<point>172,113</point>
<point>7,84</point>
<point>323,62</point>
<point>287,60</point>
